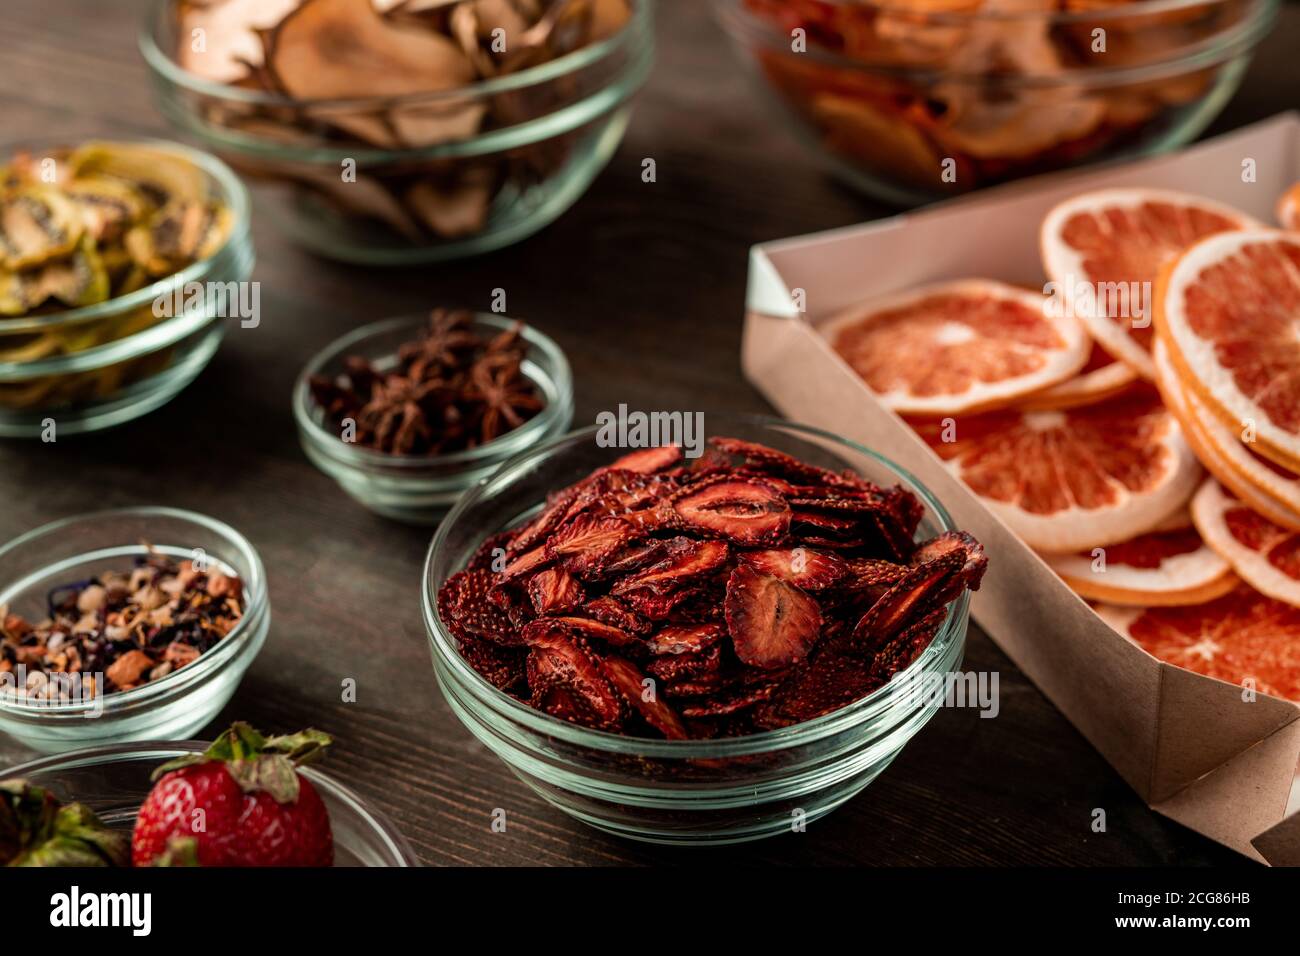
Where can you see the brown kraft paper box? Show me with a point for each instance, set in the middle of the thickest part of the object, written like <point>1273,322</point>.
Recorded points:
<point>1192,747</point>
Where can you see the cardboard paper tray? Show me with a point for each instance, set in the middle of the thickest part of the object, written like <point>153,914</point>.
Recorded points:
<point>1191,747</point>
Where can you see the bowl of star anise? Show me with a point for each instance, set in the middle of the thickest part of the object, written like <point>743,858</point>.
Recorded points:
<point>705,643</point>
<point>408,413</point>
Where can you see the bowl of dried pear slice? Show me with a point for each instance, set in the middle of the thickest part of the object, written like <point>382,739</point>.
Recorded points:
<point>118,264</point>
<point>405,131</point>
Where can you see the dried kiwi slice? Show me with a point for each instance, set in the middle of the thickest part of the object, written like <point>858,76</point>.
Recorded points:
<point>76,280</point>
<point>176,235</point>
<point>37,223</point>
<point>107,206</point>
<point>160,176</point>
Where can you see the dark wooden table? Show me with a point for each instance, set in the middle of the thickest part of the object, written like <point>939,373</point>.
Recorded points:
<point>643,285</point>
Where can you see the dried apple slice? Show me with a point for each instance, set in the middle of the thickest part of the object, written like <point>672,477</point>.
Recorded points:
<point>337,49</point>
<point>218,41</point>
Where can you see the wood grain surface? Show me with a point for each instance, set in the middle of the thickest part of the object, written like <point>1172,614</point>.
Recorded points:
<point>643,286</point>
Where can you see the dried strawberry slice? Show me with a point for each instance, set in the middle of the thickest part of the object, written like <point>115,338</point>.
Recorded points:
<point>685,639</point>
<point>636,556</point>
<point>771,460</point>
<point>686,562</point>
<point>831,680</point>
<point>487,554</point>
<point>811,570</point>
<point>746,512</point>
<point>586,542</point>
<point>538,557</point>
<point>464,606</point>
<point>567,682</point>
<point>772,623</point>
<point>975,562</point>
<point>701,686</point>
<point>502,667</point>
<point>557,506</point>
<point>691,665</point>
<point>906,601</point>
<point>616,492</point>
<point>649,460</point>
<point>899,652</point>
<point>731,702</point>
<point>865,573</point>
<point>554,591</point>
<point>640,692</point>
<point>612,611</point>
<point>580,627</point>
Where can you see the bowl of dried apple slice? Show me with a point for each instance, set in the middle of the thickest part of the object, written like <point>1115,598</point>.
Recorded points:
<point>405,131</point>
<point>705,642</point>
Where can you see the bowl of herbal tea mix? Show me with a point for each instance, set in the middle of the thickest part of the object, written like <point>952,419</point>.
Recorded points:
<point>125,625</point>
<point>701,642</point>
<point>407,413</point>
<point>102,248</point>
<point>405,130</point>
<point>245,800</point>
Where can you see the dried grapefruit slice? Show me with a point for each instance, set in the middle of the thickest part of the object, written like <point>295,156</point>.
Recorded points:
<point>1241,636</point>
<point>1076,479</point>
<point>1167,566</point>
<point>1105,248</point>
<point>1101,377</point>
<point>958,346</point>
<point>1288,209</point>
<point>1264,485</point>
<point>1266,556</point>
<point>1228,309</point>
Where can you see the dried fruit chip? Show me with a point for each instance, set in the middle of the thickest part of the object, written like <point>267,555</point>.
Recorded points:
<point>639,691</point>
<point>745,512</point>
<point>772,624</point>
<point>753,594</point>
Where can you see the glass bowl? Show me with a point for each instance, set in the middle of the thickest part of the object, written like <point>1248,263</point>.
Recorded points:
<point>98,366</point>
<point>418,489</point>
<point>671,791</point>
<point>428,194</point>
<point>910,105</point>
<point>172,707</point>
<point>114,781</point>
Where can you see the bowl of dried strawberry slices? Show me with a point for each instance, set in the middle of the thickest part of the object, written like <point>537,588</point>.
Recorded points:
<point>708,642</point>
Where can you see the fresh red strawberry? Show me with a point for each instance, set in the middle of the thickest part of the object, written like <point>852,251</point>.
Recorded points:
<point>240,803</point>
<point>773,624</point>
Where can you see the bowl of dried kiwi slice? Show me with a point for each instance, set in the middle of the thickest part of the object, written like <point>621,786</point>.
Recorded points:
<point>119,262</point>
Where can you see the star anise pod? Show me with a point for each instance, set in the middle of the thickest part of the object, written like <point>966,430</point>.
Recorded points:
<point>447,344</point>
<point>508,399</point>
<point>395,419</point>
<point>452,388</point>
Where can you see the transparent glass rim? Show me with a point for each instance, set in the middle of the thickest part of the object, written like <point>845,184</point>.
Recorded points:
<point>1241,37</point>
<point>874,705</point>
<point>233,193</point>
<point>167,67</point>
<point>123,702</point>
<point>358,457</point>
<point>377,822</point>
